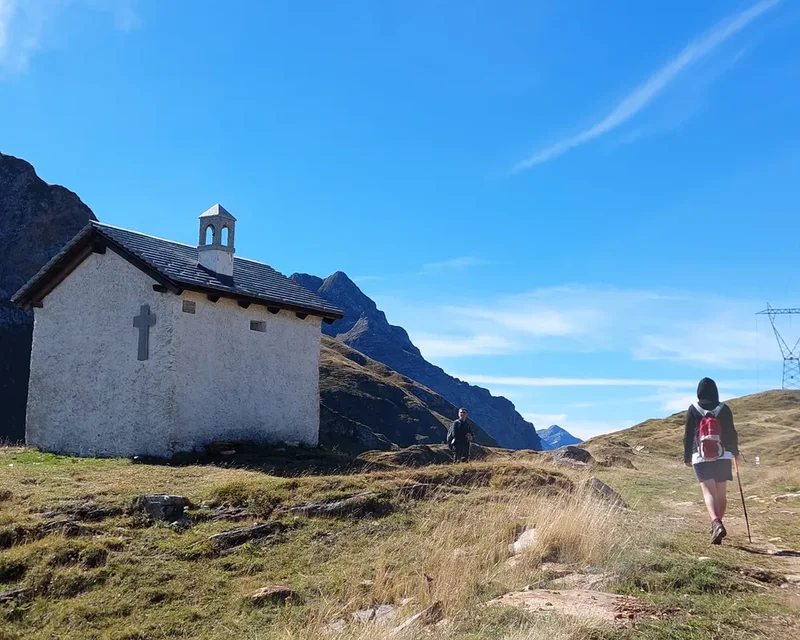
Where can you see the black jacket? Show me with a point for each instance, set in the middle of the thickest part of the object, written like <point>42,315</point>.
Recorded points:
<point>708,399</point>
<point>459,430</point>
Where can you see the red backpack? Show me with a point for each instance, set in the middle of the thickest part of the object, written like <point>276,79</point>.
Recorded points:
<point>709,434</point>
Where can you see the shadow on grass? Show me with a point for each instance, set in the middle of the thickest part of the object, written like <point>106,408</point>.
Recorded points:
<point>275,461</point>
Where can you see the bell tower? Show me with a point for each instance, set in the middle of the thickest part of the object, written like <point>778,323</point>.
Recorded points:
<point>217,232</point>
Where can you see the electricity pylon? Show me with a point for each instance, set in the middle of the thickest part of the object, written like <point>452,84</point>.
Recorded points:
<point>791,356</point>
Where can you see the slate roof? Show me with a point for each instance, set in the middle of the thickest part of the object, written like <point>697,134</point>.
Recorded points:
<point>177,264</point>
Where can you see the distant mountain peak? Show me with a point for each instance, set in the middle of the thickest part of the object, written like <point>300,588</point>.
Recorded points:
<point>554,437</point>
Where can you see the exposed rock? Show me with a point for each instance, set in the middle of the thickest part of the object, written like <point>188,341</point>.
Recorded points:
<point>379,615</point>
<point>618,461</point>
<point>275,594</point>
<point>572,452</point>
<point>579,603</point>
<point>365,328</point>
<point>87,511</point>
<point>787,496</point>
<point>362,504</point>
<point>36,220</point>
<point>66,528</point>
<point>18,596</point>
<point>793,578</point>
<point>337,626</point>
<point>241,535</point>
<point>603,490</point>
<point>162,506</point>
<point>640,448</point>
<point>429,616</point>
<point>528,538</point>
<point>566,462</point>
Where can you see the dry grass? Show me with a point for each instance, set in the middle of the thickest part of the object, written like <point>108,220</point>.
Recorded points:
<point>455,554</point>
<point>127,580</point>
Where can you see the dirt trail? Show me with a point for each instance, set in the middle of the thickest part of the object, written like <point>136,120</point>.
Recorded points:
<point>691,516</point>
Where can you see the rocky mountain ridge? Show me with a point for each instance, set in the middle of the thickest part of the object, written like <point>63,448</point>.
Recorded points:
<point>36,220</point>
<point>365,328</point>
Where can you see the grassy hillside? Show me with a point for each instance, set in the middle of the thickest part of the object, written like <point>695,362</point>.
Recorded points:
<point>768,424</point>
<point>360,395</point>
<point>398,529</point>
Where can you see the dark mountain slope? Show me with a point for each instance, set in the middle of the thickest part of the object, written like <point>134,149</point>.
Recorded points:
<point>365,405</point>
<point>36,220</point>
<point>365,328</point>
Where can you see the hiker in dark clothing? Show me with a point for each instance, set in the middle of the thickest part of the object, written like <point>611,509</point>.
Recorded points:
<point>459,437</point>
<point>710,443</point>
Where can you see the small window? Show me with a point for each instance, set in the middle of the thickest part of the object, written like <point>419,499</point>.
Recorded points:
<point>258,325</point>
<point>224,239</point>
<point>189,306</point>
<point>209,235</point>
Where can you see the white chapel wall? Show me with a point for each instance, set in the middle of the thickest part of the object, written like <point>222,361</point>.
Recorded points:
<point>88,392</point>
<point>234,383</point>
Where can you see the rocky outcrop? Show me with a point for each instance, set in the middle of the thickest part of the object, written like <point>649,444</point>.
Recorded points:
<point>36,220</point>
<point>574,453</point>
<point>365,328</point>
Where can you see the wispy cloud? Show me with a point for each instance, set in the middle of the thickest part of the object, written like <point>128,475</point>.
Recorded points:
<point>461,262</point>
<point>643,325</point>
<point>453,346</point>
<point>645,93</point>
<point>25,25</point>
<point>526,381</point>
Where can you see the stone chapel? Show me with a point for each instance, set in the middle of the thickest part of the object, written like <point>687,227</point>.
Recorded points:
<point>143,346</point>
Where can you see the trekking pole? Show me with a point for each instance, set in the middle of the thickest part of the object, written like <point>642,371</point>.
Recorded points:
<point>741,493</point>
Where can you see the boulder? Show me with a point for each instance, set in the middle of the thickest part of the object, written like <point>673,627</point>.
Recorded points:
<point>572,452</point>
<point>603,490</point>
<point>162,506</point>
<point>277,594</point>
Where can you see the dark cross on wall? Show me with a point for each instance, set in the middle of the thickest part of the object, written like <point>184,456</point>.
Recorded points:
<point>143,322</point>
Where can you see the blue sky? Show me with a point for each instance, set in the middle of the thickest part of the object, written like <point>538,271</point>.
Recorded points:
<point>579,205</point>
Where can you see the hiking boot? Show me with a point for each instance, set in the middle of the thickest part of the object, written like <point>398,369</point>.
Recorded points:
<point>724,532</point>
<point>717,532</point>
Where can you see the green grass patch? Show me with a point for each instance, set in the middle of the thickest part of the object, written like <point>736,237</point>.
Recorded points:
<point>683,574</point>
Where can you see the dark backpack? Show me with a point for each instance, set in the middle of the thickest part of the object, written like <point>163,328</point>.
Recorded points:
<point>709,433</point>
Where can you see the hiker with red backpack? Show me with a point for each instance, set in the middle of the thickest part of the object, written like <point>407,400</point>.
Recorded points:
<point>710,445</point>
